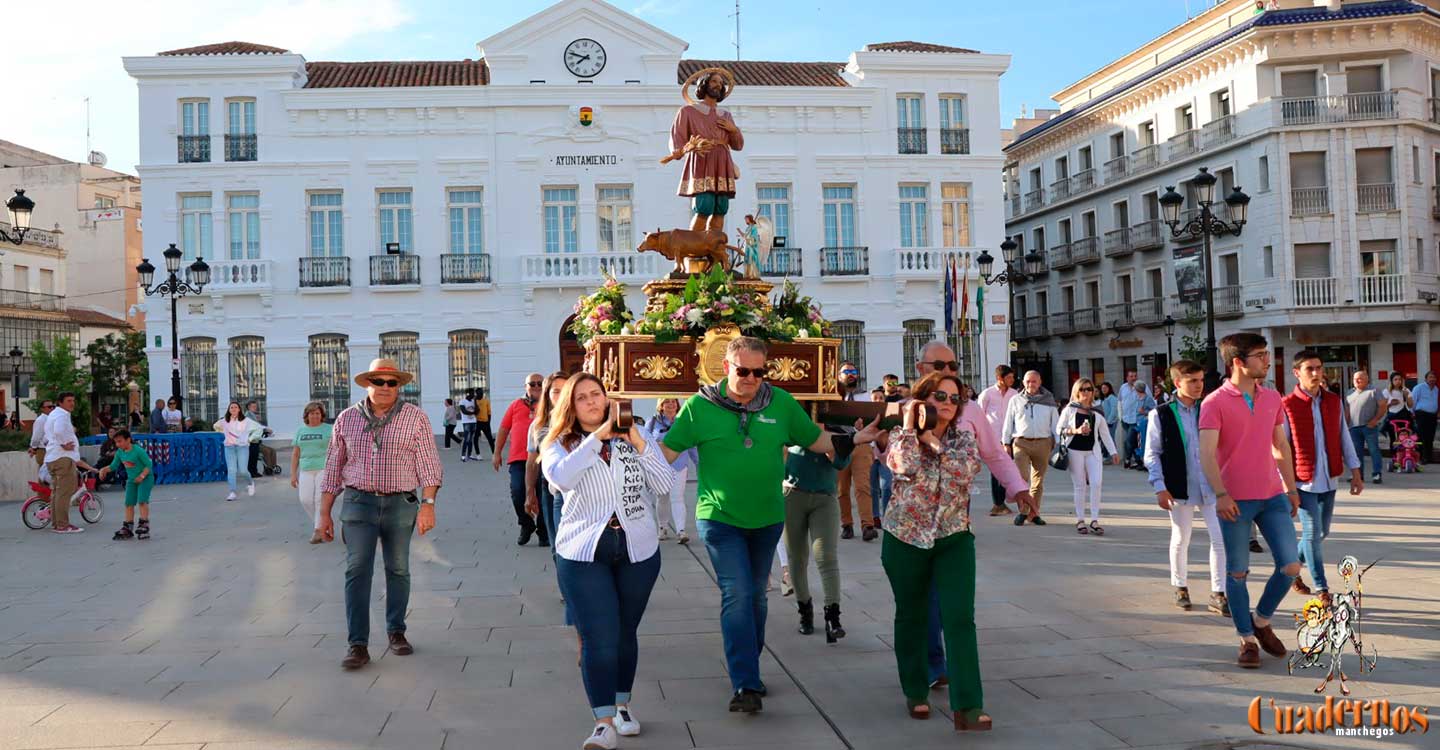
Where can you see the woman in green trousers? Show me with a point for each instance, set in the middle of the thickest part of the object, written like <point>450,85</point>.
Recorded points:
<point>928,542</point>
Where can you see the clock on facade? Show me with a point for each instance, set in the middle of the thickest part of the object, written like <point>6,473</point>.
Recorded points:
<point>585,58</point>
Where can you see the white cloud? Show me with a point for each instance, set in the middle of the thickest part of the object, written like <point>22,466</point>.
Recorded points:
<point>67,50</point>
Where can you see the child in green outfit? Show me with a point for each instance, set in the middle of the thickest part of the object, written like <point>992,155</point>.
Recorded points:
<point>140,473</point>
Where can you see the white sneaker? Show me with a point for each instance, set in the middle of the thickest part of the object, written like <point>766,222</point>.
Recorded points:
<point>251,490</point>
<point>664,534</point>
<point>626,723</point>
<point>603,738</point>
<point>230,496</point>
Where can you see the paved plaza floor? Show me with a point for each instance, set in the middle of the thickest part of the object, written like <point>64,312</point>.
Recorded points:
<point>225,631</point>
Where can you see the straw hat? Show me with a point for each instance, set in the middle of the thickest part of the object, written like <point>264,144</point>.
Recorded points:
<point>384,368</point>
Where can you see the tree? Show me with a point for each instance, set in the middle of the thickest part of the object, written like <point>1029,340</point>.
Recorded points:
<point>115,361</point>
<point>58,371</point>
<point>1192,344</point>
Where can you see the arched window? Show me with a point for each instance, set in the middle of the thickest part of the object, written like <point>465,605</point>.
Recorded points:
<point>200,380</point>
<point>918,333</point>
<point>572,355</point>
<point>852,345</point>
<point>469,362</point>
<point>330,371</point>
<point>404,348</point>
<point>247,373</point>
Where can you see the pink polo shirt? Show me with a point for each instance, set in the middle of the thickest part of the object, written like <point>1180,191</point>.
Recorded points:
<point>995,405</point>
<point>1247,465</point>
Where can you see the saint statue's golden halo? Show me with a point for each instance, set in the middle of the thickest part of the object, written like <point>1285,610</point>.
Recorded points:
<point>703,73</point>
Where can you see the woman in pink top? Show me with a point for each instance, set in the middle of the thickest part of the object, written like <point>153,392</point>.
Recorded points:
<point>928,541</point>
<point>236,428</point>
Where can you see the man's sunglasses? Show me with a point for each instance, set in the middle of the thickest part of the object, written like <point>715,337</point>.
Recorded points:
<point>849,372</point>
<point>381,383</point>
<point>941,364</point>
<point>941,397</point>
<point>745,372</point>
<point>535,384</point>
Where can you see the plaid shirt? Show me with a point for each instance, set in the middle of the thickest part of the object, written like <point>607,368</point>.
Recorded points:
<point>407,460</point>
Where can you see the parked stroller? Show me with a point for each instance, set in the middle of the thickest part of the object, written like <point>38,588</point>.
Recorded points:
<point>269,463</point>
<point>1405,455</point>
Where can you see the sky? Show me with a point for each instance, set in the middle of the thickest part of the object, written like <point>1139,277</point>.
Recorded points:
<point>59,52</point>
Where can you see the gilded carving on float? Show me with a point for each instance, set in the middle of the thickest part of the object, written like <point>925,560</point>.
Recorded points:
<point>610,374</point>
<point>711,353</point>
<point>658,367</point>
<point>786,369</point>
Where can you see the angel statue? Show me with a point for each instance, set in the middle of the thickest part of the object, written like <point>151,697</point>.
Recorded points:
<point>756,237</point>
<point>703,135</point>
<point>1326,624</point>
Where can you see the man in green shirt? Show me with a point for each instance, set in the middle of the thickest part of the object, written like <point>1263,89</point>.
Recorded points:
<point>741,427</point>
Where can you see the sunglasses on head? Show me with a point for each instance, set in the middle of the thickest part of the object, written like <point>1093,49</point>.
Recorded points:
<point>941,397</point>
<point>745,372</point>
<point>384,383</point>
<point>941,364</point>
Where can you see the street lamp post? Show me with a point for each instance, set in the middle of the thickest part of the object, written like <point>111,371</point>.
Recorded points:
<point>1012,272</point>
<point>19,209</point>
<point>196,277</point>
<point>1169,324</point>
<point>1203,227</point>
<point>18,358</point>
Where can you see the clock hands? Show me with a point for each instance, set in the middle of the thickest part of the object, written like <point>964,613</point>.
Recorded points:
<point>579,57</point>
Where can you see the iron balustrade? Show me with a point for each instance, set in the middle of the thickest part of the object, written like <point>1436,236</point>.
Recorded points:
<point>1087,320</point>
<point>1085,250</point>
<point>954,140</point>
<point>324,272</point>
<point>783,262</point>
<point>465,268</point>
<point>1217,131</point>
<point>1375,198</point>
<point>25,300</point>
<point>1062,323</point>
<point>1117,243</point>
<point>1149,311</point>
<point>1183,144</point>
<point>911,140</point>
<point>1117,168</point>
<point>1034,199</point>
<point>1145,157</point>
<point>1146,235</point>
<point>394,270</point>
<point>1082,181</point>
<point>1060,256</point>
<point>1312,110</point>
<point>844,261</point>
<point>193,148</point>
<point>242,147</point>
<point>1060,189</point>
<point>1121,315</point>
<point>1309,201</point>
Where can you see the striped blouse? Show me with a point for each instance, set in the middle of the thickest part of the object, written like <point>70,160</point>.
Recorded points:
<point>594,491</point>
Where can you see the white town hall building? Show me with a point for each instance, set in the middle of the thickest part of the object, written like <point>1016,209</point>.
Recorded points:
<point>448,214</point>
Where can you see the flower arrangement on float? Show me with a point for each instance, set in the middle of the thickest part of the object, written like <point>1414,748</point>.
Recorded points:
<point>602,312</point>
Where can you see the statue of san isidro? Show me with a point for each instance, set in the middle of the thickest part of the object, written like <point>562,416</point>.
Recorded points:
<point>704,135</point>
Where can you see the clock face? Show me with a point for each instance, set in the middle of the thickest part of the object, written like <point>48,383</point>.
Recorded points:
<point>585,58</point>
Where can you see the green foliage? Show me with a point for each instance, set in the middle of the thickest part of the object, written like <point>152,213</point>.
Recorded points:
<point>602,312</point>
<point>14,440</point>
<point>58,371</point>
<point>115,361</point>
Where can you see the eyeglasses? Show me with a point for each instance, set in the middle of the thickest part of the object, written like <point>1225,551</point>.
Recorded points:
<point>941,397</point>
<point>379,383</point>
<point>745,372</point>
<point>1086,389</point>
<point>534,383</point>
<point>941,364</point>
<point>849,372</point>
<point>1262,354</point>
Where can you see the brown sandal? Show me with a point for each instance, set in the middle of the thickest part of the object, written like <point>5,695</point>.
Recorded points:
<point>1096,529</point>
<point>1080,528</point>
<point>916,711</point>
<point>963,722</point>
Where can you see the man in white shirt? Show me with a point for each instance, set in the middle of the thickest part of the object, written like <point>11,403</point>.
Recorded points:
<point>995,400</point>
<point>1028,434</point>
<point>62,450</point>
<point>37,432</point>
<point>174,418</point>
<point>468,428</point>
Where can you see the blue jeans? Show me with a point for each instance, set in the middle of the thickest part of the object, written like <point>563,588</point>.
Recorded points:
<point>608,598</point>
<point>548,516</point>
<point>1138,453</point>
<point>881,480</point>
<point>1368,439</point>
<point>1273,518</point>
<point>235,457</point>
<point>467,441</point>
<point>366,519</point>
<point>934,639</point>
<point>1132,441</point>
<point>741,559</point>
<point>1315,511</point>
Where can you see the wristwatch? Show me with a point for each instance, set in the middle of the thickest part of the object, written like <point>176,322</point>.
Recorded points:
<point>427,501</point>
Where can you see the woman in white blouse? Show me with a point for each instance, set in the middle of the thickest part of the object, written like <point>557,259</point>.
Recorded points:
<point>236,427</point>
<point>606,543</point>
<point>1083,429</point>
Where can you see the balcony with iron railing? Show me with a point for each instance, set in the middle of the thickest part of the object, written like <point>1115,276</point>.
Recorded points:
<point>1309,201</point>
<point>1059,256</point>
<point>192,148</point>
<point>1034,199</point>
<point>1227,305</point>
<point>585,269</point>
<point>240,147</point>
<point>1087,320</point>
<point>241,276</point>
<point>1082,181</point>
<point>1147,235</point>
<point>1382,289</point>
<point>911,140</point>
<point>25,300</point>
<point>1060,190</point>
<point>1020,328</point>
<point>1038,325</point>
<point>1015,204</point>
<point>1312,110</point>
<point>1313,292</point>
<point>1375,198</point>
<point>1183,144</point>
<point>324,273</point>
<point>954,140</point>
<point>1062,323</point>
<point>1121,316</point>
<point>1117,243</point>
<point>1117,168</point>
<point>1149,311</point>
<point>783,262</point>
<point>392,270</point>
<point>842,262</point>
<point>1217,131</point>
<point>1145,157</point>
<point>465,268</point>
<point>1085,250</point>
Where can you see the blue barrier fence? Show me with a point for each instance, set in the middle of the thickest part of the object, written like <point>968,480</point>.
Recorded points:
<point>180,458</point>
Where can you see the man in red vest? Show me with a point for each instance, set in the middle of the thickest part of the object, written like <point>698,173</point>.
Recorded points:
<point>1320,441</point>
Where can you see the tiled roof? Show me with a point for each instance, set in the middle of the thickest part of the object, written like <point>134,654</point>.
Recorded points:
<point>226,48</point>
<point>915,47</point>
<point>84,317</point>
<point>1347,12</point>
<point>758,73</point>
<point>321,75</point>
<point>331,75</point>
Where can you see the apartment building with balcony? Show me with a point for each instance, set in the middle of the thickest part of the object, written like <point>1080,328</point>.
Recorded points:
<point>449,214</point>
<point>1323,112</point>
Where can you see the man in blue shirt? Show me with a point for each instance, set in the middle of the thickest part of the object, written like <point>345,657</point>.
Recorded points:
<point>1427,403</point>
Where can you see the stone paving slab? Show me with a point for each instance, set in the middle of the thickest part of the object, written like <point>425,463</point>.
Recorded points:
<point>224,632</point>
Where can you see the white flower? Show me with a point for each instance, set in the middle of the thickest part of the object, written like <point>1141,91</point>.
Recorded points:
<point>694,315</point>
<point>627,330</point>
<point>802,334</point>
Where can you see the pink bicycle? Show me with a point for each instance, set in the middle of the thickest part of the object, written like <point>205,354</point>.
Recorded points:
<point>36,511</point>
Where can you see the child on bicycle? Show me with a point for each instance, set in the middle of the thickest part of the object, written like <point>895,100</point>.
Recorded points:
<point>140,473</point>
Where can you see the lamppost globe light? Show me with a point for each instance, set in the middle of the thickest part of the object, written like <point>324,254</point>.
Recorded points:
<point>1239,204</point>
<point>1008,248</point>
<point>16,354</point>
<point>173,256</point>
<point>1169,324</point>
<point>147,272</point>
<point>1034,261</point>
<point>199,272</point>
<point>985,262</point>
<point>19,208</point>
<point>1170,204</point>
<point>1204,186</point>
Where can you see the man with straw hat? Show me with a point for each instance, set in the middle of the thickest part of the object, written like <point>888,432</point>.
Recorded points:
<point>383,458</point>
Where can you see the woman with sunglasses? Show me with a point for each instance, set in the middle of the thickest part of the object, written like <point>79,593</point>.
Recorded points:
<point>1079,427</point>
<point>606,546</point>
<point>928,540</point>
